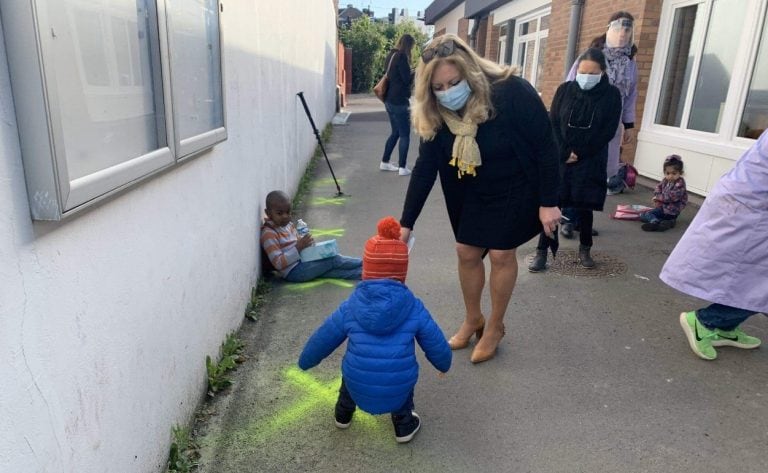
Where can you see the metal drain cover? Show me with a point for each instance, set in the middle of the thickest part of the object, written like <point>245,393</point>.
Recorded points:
<point>567,264</point>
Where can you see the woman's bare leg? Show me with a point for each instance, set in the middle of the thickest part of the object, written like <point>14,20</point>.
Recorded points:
<point>472,279</point>
<point>502,282</point>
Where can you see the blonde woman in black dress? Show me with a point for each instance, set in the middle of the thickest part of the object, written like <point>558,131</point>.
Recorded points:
<point>486,133</point>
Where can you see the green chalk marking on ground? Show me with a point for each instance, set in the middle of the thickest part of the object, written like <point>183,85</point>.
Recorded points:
<point>327,232</point>
<point>301,286</point>
<point>316,400</point>
<point>329,181</point>
<point>329,201</point>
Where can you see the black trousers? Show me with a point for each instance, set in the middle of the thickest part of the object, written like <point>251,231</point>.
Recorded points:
<point>345,402</point>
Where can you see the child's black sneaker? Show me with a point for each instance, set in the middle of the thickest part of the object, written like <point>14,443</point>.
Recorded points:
<point>651,227</point>
<point>406,427</point>
<point>342,417</point>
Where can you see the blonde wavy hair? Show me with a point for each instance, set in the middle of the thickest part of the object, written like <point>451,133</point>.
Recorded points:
<point>480,73</point>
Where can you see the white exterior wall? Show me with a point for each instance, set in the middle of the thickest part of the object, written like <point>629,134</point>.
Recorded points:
<point>450,21</point>
<point>106,317</point>
<point>517,8</point>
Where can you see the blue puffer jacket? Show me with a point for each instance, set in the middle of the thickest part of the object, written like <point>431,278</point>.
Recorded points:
<point>381,318</point>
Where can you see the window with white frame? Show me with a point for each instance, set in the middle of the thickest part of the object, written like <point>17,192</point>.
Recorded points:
<point>713,78</point>
<point>530,44</point>
<point>754,119</point>
<point>100,101</point>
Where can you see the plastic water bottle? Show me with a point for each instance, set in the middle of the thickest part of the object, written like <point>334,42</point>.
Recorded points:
<point>301,228</point>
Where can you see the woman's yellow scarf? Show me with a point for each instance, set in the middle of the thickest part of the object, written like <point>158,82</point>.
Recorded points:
<point>466,153</point>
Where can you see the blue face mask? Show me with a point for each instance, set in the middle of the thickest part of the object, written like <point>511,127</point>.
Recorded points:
<point>588,81</point>
<point>456,97</point>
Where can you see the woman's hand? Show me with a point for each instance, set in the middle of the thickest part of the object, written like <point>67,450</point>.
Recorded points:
<point>628,136</point>
<point>572,158</point>
<point>405,234</point>
<point>550,219</point>
<point>305,241</point>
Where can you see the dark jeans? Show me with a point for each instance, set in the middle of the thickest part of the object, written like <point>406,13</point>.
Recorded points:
<point>722,316</point>
<point>346,403</point>
<point>400,121</point>
<point>339,266</point>
<point>656,215</point>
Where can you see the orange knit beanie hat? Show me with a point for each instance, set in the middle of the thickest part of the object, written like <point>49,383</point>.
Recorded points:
<point>385,255</point>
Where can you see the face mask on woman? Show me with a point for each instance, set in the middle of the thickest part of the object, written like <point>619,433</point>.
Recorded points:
<point>588,81</point>
<point>456,97</point>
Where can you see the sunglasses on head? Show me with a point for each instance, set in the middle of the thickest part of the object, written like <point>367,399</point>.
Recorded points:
<point>442,50</point>
<point>620,23</point>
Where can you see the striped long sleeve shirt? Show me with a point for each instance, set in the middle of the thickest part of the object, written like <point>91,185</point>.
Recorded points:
<point>280,245</point>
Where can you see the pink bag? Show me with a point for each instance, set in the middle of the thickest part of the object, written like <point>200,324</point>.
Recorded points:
<point>631,178</point>
<point>630,212</point>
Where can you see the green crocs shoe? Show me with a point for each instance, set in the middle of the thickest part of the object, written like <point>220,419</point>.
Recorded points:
<point>700,338</point>
<point>735,338</point>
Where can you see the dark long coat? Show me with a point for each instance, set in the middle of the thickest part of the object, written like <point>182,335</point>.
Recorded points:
<point>584,121</point>
<point>498,208</point>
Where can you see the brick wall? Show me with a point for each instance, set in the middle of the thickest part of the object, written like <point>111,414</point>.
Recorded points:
<point>492,41</point>
<point>552,75</point>
<point>482,36</point>
<point>463,31</point>
<point>594,21</point>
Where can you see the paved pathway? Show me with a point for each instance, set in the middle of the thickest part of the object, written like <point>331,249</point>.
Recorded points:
<point>594,374</point>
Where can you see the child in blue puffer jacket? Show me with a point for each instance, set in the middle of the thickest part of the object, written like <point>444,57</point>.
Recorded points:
<point>381,318</point>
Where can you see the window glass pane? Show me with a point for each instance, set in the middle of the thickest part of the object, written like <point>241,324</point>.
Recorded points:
<point>103,84</point>
<point>528,27</point>
<point>529,61</point>
<point>677,70</point>
<point>521,55</point>
<point>714,76</point>
<point>755,118</point>
<point>196,66</point>
<point>544,23</point>
<point>540,62</point>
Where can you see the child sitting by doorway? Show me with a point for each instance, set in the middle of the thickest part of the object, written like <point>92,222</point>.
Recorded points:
<point>670,197</point>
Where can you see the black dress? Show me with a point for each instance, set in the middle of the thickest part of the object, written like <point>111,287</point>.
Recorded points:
<point>584,121</point>
<point>498,208</point>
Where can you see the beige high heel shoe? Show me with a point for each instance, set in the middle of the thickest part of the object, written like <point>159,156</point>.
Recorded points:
<point>481,353</point>
<point>457,343</point>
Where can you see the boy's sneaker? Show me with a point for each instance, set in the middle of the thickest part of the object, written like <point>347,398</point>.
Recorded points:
<point>700,338</point>
<point>735,338</point>
<point>387,167</point>
<point>405,429</point>
<point>404,172</point>
<point>342,417</point>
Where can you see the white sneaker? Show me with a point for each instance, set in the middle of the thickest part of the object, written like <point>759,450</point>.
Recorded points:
<point>404,172</point>
<point>387,166</point>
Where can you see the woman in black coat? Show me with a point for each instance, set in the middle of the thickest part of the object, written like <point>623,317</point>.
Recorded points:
<point>486,135</point>
<point>584,114</point>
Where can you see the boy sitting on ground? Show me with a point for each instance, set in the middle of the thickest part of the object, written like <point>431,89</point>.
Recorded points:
<point>282,244</point>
